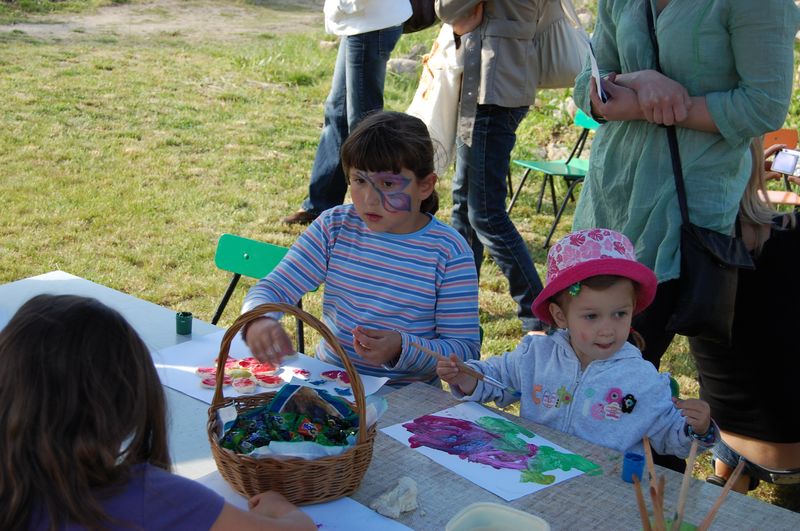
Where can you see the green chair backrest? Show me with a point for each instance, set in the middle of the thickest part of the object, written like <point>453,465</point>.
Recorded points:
<point>247,257</point>
<point>584,120</point>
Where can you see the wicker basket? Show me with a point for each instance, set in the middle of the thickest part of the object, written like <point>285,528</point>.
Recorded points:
<point>302,481</point>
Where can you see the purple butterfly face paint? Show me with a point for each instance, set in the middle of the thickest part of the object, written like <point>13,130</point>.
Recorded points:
<point>390,187</point>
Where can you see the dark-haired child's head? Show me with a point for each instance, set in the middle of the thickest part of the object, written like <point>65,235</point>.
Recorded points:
<point>388,161</point>
<point>80,401</point>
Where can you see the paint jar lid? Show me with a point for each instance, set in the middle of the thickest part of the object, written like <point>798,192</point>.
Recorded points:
<point>486,515</point>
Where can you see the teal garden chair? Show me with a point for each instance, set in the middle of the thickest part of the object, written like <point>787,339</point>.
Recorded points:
<point>251,258</point>
<point>572,169</point>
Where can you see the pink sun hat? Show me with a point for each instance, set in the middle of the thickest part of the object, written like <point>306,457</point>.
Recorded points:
<point>589,253</point>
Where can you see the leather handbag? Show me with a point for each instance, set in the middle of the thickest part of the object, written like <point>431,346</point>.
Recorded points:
<point>710,260</point>
<point>423,15</point>
<point>560,44</point>
<point>436,99</point>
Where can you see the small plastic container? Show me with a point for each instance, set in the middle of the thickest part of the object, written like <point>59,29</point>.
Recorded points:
<point>487,516</point>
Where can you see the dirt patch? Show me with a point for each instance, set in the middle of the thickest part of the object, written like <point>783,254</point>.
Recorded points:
<point>194,19</point>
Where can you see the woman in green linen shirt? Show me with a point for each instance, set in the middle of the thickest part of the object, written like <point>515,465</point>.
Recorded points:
<point>728,67</point>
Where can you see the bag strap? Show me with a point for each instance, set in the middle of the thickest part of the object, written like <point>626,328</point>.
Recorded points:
<point>672,135</point>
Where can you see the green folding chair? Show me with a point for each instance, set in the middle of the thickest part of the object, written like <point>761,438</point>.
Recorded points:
<point>251,258</point>
<point>573,170</point>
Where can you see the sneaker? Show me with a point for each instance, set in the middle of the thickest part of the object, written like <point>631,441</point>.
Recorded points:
<point>301,217</point>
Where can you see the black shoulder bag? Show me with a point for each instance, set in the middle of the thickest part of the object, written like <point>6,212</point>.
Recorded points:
<point>710,260</point>
<point>423,15</point>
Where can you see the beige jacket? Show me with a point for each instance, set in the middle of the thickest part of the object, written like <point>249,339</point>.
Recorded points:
<point>507,55</point>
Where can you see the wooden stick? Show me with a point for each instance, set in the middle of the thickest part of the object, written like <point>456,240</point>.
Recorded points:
<point>658,509</point>
<point>640,502</point>
<point>648,456</point>
<point>463,367</point>
<point>677,518</point>
<point>706,523</point>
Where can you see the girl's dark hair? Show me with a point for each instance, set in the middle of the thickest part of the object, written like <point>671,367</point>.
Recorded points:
<point>388,140</point>
<point>80,402</point>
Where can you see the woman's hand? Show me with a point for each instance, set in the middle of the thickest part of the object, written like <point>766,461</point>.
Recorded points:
<point>268,341</point>
<point>622,103</point>
<point>470,22</point>
<point>447,370</point>
<point>662,100</point>
<point>377,347</point>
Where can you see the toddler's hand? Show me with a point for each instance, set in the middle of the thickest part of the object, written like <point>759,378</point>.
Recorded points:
<point>377,347</point>
<point>268,341</point>
<point>280,511</point>
<point>447,370</point>
<point>696,412</point>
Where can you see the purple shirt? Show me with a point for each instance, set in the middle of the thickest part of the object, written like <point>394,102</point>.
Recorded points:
<point>156,499</point>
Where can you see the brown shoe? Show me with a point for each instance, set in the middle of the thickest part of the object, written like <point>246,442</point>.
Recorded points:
<point>301,217</point>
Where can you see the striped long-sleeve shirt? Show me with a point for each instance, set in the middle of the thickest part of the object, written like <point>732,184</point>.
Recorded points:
<point>422,284</point>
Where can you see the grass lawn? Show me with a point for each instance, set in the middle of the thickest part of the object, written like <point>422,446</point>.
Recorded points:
<point>125,154</point>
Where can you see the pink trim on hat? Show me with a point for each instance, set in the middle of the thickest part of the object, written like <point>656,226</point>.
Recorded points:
<point>589,253</point>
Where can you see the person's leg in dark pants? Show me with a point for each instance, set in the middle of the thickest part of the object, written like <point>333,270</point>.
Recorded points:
<point>479,194</point>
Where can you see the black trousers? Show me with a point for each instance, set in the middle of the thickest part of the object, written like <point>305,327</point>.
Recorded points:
<point>651,325</point>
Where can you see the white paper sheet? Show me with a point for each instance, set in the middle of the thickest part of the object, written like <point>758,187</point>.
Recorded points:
<point>506,483</point>
<point>176,367</point>
<point>344,514</point>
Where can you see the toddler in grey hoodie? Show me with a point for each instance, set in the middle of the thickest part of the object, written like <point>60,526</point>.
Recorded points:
<point>586,379</point>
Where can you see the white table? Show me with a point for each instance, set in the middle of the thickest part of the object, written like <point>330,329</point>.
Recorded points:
<point>188,441</point>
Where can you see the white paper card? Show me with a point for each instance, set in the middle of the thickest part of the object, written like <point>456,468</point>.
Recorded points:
<point>177,364</point>
<point>466,444</point>
<point>344,514</point>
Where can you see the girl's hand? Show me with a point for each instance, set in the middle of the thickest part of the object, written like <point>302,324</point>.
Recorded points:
<point>662,100</point>
<point>270,503</point>
<point>268,341</point>
<point>696,412</point>
<point>377,347</point>
<point>447,370</point>
<point>622,103</point>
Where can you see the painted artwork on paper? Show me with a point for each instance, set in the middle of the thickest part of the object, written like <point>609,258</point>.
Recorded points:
<point>491,451</point>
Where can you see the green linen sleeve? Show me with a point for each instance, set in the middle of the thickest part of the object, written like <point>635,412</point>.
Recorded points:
<point>762,41</point>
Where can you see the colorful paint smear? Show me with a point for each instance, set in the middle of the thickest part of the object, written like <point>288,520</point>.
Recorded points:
<point>495,442</point>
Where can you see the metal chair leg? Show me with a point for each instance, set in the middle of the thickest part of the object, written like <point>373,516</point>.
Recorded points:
<point>516,194</point>
<point>553,192</point>
<point>561,211</point>
<point>301,346</point>
<point>225,298</point>
<point>545,177</point>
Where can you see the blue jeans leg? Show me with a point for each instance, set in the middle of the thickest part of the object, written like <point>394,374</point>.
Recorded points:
<point>356,90</point>
<point>479,211</point>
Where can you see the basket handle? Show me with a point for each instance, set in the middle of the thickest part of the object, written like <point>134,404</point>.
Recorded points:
<point>316,324</point>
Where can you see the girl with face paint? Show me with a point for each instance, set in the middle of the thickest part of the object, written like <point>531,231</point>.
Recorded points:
<point>394,275</point>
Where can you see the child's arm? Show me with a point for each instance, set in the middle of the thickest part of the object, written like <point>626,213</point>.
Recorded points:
<point>302,270</point>
<point>696,412</point>
<point>457,326</point>
<point>447,369</point>
<point>268,510</point>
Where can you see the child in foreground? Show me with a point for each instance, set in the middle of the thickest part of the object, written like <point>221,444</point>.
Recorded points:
<point>586,379</point>
<point>84,436</point>
<point>393,274</point>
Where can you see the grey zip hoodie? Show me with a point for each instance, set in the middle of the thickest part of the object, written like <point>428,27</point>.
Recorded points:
<point>613,402</point>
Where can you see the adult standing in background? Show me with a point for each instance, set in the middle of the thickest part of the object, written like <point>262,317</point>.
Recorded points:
<point>727,77</point>
<point>369,31</point>
<point>497,88</point>
<point>750,385</point>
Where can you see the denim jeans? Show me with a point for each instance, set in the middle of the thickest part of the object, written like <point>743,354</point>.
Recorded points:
<point>356,90</point>
<point>479,204</point>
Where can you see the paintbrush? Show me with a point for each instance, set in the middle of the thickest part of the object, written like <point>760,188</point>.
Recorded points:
<point>466,369</point>
<point>640,502</point>
<point>677,518</point>
<point>706,523</point>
